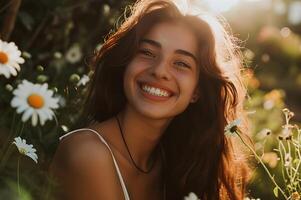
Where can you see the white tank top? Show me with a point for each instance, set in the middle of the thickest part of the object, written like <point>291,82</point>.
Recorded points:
<point>125,192</point>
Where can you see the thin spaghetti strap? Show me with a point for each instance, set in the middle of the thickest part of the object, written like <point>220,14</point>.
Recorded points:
<point>125,192</point>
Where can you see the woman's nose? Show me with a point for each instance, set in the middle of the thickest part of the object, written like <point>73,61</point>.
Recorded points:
<point>160,70</point>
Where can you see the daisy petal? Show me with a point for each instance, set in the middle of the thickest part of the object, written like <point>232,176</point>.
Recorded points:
<point>26,115</point>
<point>34,118</point>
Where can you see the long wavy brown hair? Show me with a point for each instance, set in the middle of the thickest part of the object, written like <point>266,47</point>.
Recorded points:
<point>199,157</point>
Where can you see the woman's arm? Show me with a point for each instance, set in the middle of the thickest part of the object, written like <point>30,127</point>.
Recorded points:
<point>84,168</point>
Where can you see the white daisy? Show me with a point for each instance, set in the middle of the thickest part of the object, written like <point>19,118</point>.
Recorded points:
<point>83,81</point>
<point>232,127</point>
<point>74,54</point>
<point>34,100</point>
<point>191,196</point>
<point>10,58</point>
<point>26,149</point>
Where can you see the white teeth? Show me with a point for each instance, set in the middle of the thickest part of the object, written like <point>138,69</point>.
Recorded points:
<point>155,91</point>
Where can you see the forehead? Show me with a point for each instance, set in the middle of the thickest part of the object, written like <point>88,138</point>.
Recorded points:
<point>173,35</point>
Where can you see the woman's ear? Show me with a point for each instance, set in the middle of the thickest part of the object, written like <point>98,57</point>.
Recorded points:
<point>196,95</point>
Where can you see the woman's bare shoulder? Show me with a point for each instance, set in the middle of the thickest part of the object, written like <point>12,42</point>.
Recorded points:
<point>77,147</point>
<point>83,164</point>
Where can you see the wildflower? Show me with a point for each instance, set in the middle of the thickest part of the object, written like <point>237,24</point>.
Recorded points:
<point>62,100</point>
<point>42,78</point>
<point>34,100</point>
<point>263,134</point>
<point>287,160</point>
<point>289,137</point>
<point>84,80</point>
<point>285,110</point>
<point>10,58</point>
<point>26,149</point>
<point>287,131</point>
<point>191,196</point>
<point>9,87</point>
<point>106,10</point>
<point>232,127</point>
<point>291,114</point>
<point>74,54</point>
<point>57,55</point>
<point>74,78</point>
<point>26,54</point>
<point>288,114</point>
<point>295,196</point>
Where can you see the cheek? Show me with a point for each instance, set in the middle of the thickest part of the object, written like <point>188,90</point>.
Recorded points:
<point>135,67</point>
<point>187,85</point>
<point>130,72</point>
<point>133,70</point>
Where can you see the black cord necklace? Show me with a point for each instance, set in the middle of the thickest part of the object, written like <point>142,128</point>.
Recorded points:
<point>136,166</point>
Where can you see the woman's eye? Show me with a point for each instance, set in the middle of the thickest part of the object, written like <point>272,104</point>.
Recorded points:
<point>147,53</point>
<point>182,64</point>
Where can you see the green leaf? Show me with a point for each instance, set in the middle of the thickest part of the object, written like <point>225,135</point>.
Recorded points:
<point>275,191</point>
<point>14,193</point>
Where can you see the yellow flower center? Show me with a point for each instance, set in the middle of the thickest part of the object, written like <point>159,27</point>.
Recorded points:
<point>3,57</point>
<point>35,101</point>
<point>22,151</point>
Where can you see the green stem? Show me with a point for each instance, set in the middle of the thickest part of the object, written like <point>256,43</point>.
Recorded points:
<point>21,130</point>
<point>262,163</point>
<point>283,159</point>
<point>282,163</point>
<point>18,176</point>
<point>5,157</point>
<point>290,154</point>
<point>298,155</point>
<point>8,140</point>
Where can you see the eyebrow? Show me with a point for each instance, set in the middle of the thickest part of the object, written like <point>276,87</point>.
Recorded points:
<point>178,51</point>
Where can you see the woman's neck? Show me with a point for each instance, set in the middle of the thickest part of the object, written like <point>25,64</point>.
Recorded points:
<point>141,134</point>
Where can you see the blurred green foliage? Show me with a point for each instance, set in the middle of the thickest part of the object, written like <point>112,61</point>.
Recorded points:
<point>58,39</point>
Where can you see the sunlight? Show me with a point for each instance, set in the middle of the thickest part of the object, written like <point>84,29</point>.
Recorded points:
<point>221,5</point>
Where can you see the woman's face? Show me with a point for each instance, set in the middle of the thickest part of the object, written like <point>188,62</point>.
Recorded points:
<point>161,80</point>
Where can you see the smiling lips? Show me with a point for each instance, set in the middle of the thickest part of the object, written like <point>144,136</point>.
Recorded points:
<point>153,90</point>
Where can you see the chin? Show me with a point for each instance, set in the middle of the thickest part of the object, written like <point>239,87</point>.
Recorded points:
<point>156,112</point>
<point>147,112</point>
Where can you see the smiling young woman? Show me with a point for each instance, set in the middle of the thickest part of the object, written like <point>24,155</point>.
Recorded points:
<point>165,85</point>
